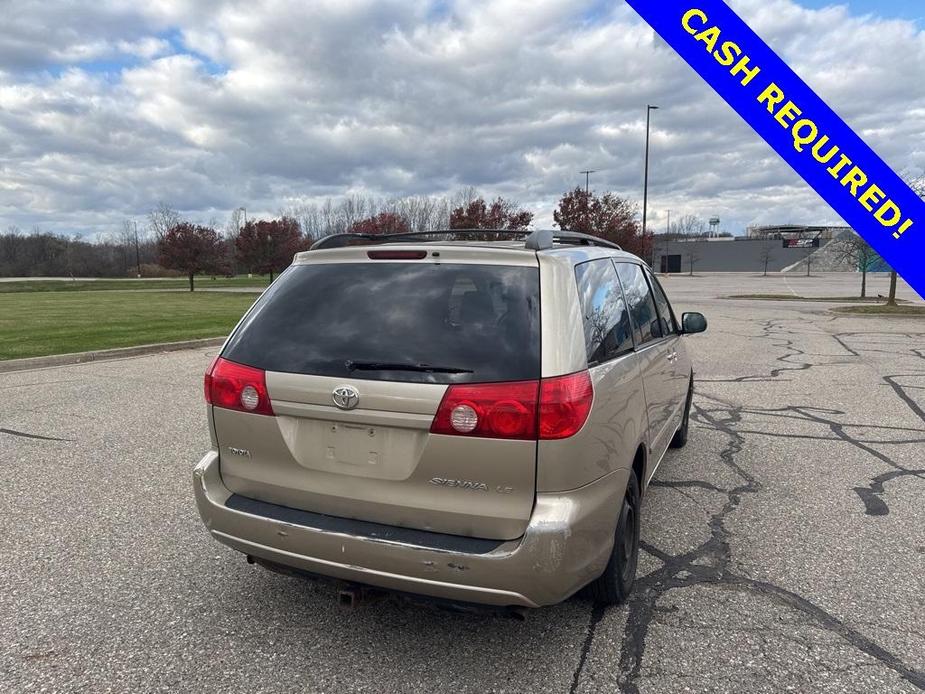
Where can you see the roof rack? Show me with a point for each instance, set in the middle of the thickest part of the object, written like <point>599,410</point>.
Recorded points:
<point>538,240</point>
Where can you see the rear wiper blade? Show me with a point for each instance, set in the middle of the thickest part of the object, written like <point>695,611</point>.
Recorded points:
<point>396,366</point>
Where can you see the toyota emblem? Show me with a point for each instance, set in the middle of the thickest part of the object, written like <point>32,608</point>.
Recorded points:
<point>346,397</point>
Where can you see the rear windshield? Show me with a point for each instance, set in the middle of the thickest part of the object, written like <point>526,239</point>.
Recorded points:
<point>462,323</point>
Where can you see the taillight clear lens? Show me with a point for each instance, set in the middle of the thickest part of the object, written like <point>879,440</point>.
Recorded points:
<point>464,418</point>
<point>488,410</point>
<point>237,387</point>
<point>565,402</point>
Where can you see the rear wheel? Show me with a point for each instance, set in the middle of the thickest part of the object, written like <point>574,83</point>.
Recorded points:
<point>680,436</point>
<point>616,583</point>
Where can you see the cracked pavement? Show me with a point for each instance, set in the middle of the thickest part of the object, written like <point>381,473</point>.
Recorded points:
<point>783,548</point>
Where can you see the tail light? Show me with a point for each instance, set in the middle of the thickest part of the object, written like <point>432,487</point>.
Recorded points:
<point>488,410</point>
<point>552,408</point>
<point>237,387</point>
<point>565,402</point>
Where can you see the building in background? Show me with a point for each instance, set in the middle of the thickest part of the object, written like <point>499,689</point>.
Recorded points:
<point>793,231</point>
<point>773,248</point>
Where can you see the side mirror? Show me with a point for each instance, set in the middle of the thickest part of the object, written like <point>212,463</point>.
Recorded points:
<point>693,323</point>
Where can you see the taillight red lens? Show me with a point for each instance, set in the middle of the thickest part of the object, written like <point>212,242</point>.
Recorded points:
<point>237,387</point>
<point>488,410</point>
<point>565,402</point>
<point>553,408</point>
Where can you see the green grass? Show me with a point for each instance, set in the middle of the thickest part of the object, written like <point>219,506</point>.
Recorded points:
<point>883,310</point>
<point>793,297</point>
<point>41,323</point>
<point>204,282</point>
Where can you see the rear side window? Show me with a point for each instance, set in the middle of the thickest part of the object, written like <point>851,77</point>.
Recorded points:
<point>665,314</point>
<point>608,332</point>
<point>640,301</point>
<point>448,323</point>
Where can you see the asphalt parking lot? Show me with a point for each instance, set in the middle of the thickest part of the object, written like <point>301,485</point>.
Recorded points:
<point>784,547</point>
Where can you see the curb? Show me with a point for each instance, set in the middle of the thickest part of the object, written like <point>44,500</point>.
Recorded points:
<point>105,354</point>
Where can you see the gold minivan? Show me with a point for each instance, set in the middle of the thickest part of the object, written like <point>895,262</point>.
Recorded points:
<point>439,414</point>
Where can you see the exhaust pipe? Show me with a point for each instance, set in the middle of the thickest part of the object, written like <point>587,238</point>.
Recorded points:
<point>518,614</point>
<point>353,596</point>
<point>249,558</point>
<point>349,597</point>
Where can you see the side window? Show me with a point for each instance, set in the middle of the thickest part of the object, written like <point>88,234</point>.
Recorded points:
<point>608,332</point>
<point>641,303</point>
<point>665,314</point>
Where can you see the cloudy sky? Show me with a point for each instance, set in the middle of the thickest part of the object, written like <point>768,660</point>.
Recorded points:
<point>108,107</point>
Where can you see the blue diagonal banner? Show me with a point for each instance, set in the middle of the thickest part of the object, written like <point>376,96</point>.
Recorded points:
<point>803,130</point>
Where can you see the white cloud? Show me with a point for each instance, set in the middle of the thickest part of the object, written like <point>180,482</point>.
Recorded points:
<point>223,104</point>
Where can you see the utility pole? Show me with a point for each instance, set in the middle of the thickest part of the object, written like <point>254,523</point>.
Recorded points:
<point>645,185</point>
<point>667,239</point>
<point>137,252</point>
<point>588,179</point>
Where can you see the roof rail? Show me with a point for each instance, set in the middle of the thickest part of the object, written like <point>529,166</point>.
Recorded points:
<point>541,239</point>
<point>538,240</point>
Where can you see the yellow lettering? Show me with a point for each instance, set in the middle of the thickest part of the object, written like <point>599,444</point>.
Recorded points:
<point>788,113</point>
<point>773,95</point>
<point>709,37</point>
<point>749,74</point>
<point>688,16</point>
<point>871,195</point>
<point>818,149</point>
<point>724,56</point>
<point>888,207</point>
<point>801,140</point>
<point>842,163</point>
<point>903,229</point>
<point>854,179</point>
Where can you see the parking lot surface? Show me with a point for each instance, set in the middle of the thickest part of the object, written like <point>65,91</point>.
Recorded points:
<point>784,547</point>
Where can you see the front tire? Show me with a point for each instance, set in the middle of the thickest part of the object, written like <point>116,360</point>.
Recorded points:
<point>614,586</point>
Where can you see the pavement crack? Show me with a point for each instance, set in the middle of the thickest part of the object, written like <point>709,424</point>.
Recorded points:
<point>597,614</point>
<point>709,563</point>
<point>23,434</point>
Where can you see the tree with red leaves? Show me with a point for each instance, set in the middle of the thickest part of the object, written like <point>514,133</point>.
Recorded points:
<point>191,248</point>
<point>609,217</point>
<point>501,214</point>
<point>382,223</point>
<point>268,246</point>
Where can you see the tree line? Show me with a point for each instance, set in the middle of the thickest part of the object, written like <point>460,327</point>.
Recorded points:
<point>169,245</point>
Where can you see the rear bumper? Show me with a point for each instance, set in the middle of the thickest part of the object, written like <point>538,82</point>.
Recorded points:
<point>567,544</point>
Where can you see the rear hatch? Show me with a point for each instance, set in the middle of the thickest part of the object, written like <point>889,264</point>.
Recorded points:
<point>356,354</point>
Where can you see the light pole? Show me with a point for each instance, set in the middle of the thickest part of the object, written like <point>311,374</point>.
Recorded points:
<point>645,185</point>
<point>137,252</point>
<point>667,239</point>
<point>587,179</point>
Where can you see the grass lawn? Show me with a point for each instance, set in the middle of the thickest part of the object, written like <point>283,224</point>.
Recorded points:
<point>883,310</point>
<point>34,324</point>
<point>792,297</point>
<point>205,282</point>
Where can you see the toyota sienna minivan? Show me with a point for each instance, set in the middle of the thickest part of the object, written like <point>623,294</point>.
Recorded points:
<point>443,415</point>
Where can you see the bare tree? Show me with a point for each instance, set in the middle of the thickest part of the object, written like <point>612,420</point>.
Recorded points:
<point>692,257</point>
<point>767,255</point>
<point>688,226</point>
<point>855,251</point>
<point>129,237</point>
<point>162,218</point>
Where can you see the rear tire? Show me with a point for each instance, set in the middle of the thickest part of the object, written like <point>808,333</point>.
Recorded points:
<point>680,436</point>
<point>614,586</point>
